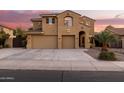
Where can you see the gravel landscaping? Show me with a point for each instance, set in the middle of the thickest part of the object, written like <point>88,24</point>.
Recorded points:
<point>94,52</point>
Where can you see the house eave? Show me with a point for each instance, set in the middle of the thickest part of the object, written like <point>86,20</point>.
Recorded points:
<point>28,33</point>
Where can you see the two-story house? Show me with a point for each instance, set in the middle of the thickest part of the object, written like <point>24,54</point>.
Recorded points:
<point>67,29</point>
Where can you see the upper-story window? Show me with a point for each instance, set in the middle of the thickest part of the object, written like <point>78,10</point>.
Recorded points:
<point>87,23</point>
<point>50,20</point>
<point>68,21</point>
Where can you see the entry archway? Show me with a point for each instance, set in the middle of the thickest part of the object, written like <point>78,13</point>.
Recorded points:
<point>82,39</point>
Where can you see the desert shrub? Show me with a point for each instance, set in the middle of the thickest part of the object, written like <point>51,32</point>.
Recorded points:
<point>106,55</point>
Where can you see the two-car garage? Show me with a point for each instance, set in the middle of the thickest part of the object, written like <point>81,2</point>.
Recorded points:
<point>51,41</point>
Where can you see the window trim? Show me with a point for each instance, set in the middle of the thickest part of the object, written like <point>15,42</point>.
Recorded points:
<point>50,20</point>
<point>71,21</point>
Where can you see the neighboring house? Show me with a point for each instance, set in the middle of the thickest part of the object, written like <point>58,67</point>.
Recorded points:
<point>9,31</point>
<point>67,29</point>
<point>119,32</point>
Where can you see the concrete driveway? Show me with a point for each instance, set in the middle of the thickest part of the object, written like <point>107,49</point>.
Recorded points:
<point>45,54</point>
<point>54,59</point>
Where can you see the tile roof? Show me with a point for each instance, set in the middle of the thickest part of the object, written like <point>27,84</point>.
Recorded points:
<point>55,14</point>
<point>36,19</point>
<point>6,27</point>
<point>49,14</point>
<point>118,31</point>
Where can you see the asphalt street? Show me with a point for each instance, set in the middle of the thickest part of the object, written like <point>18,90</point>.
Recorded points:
<point>60,76</point>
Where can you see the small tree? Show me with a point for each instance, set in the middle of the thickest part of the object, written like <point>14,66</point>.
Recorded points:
<point>20,33</point>
<point>105,38</point>
<point>3,37</point>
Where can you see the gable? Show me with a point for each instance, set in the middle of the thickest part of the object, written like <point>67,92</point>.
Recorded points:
<point>68,13</point>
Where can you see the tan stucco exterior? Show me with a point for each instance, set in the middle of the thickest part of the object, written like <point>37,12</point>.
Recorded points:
<point>9,31</point>
<point>58,35</point>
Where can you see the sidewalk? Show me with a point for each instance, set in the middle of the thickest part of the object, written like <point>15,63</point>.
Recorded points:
<point>63,65</point>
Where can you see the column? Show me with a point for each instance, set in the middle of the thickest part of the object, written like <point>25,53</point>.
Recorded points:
<point>87,45</point>
<point>76,41</point>
<point>59,42</point>
<point>29,41</point>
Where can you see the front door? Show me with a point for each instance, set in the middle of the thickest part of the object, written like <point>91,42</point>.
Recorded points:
<point>81,39</point>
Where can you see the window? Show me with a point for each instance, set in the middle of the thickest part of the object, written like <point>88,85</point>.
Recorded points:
<point>53,20</point>
<point>87,23</point>
<point>68,21</point>
<point>50,20</point>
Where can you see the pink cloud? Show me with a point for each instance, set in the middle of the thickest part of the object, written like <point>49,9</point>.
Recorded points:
<point>20,18</point>
<point>16,25</point>
<point>118,21</point>
<point>99,28</point>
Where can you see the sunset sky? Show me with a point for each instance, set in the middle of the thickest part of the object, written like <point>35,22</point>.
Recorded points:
<point>21,18</point>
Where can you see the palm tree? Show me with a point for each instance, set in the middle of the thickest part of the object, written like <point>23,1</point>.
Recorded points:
<point>105,37</point>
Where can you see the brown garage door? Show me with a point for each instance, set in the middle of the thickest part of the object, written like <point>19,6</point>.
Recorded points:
<point>39,41</point>
<point>68,41</point>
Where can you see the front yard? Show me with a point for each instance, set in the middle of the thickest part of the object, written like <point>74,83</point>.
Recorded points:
<point>94,52</point>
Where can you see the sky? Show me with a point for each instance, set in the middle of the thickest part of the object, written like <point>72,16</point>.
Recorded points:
<point>21,18</point>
